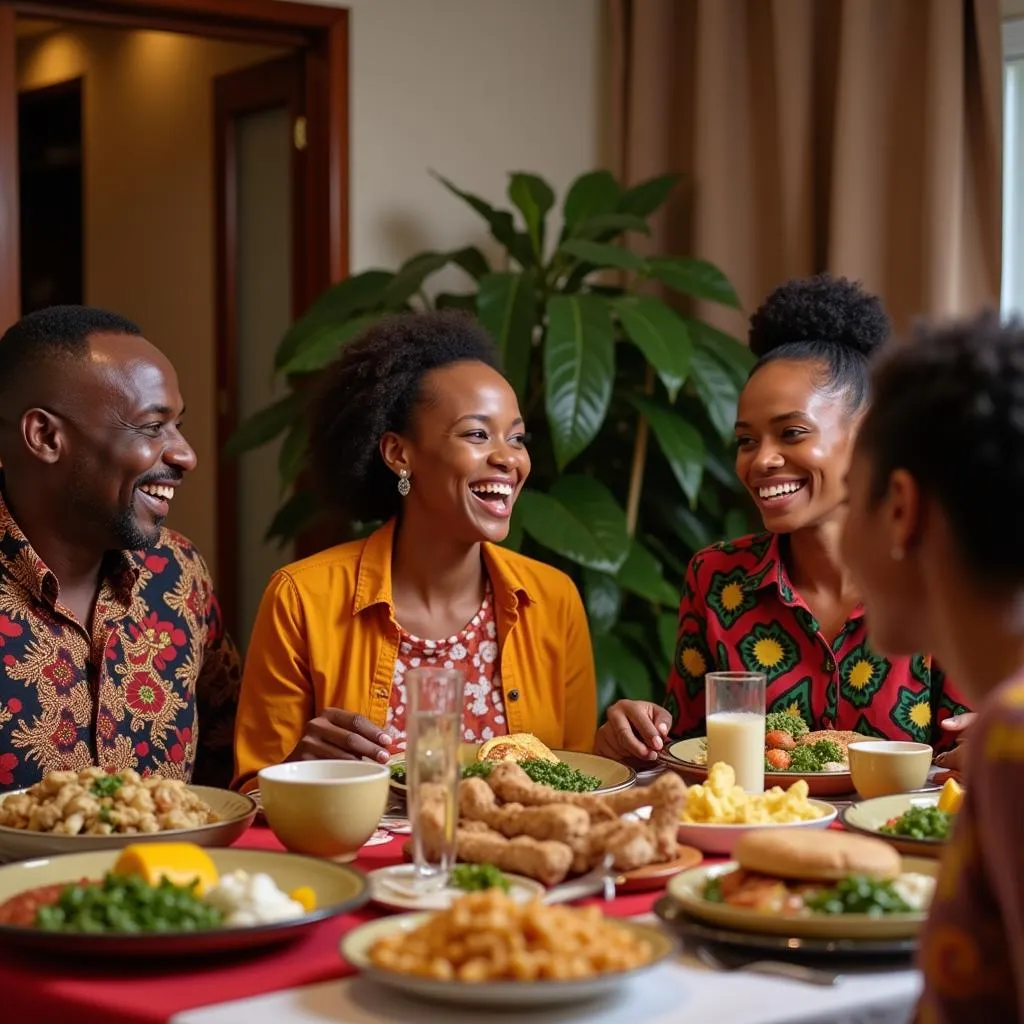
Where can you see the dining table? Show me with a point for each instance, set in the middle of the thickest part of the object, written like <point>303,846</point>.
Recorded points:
<point>308,982</point>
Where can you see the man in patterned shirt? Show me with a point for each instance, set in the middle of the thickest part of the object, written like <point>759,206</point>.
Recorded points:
<point>111,641</point>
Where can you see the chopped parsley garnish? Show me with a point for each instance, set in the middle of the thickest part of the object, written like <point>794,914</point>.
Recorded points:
<point>921,823</point>
<point>556,774</point>
<point>476,877</point>
<point>859,894</point>
<point>107,785</point>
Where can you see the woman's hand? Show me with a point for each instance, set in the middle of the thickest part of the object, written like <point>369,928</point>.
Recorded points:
<point>341,735</point>
<point>635,728</point>
<point>954,761</point>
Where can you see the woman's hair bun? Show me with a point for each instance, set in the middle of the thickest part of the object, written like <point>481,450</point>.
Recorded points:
<point>823,309</point>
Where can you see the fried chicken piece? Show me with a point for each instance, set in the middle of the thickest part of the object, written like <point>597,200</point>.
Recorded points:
<point>512,785</point>
<point>546,860</point>
<point>560,822</point>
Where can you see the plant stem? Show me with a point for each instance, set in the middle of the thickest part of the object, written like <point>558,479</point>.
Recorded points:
<point>636,472</point>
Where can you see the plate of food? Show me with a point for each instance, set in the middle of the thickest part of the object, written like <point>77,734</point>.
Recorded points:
<point>567,770</point>
<point>170,899</point>
<point>489,950</point>
<point>524,827</point>
<point>792,752</point>
<point>393,886</point>
<point>915,823</point>
<point>825,885</point>
<point>76,812</point>
<point>717,812</point>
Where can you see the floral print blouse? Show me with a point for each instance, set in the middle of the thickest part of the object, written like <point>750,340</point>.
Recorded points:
<point>473,652</point>
<point>739,612</point>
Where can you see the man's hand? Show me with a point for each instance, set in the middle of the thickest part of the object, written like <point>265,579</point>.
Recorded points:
<point>635,728</point>
<point>341,735</point>
<point>955,760</point>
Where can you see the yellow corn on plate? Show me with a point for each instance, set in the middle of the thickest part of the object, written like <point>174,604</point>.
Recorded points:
<point>179,863</point>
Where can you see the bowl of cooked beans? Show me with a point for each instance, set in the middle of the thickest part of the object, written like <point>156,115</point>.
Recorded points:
<point>489,949</point>
<point>92,809</point>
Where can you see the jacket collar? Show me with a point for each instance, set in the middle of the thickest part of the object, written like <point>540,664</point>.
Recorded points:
<point>373,582</point>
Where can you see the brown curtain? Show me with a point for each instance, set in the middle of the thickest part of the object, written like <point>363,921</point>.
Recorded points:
<point>861,137</point>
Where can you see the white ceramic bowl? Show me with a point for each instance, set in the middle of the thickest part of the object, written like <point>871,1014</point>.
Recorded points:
<point>722,838</point>
<point>324,808</point>
<point>885,767</point>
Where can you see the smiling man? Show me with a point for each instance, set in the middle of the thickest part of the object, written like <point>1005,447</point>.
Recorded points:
<point>112,650</point>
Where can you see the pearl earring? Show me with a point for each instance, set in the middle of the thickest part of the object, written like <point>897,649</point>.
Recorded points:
<point>403,482</point>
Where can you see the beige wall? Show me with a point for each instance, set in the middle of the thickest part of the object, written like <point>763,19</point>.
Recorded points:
<point>471,88</point>
<point>1013,8</point>
<point>148,141</point>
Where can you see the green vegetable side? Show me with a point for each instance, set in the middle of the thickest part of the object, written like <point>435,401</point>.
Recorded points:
<point>477,877</point>
<point>556,774</point>
<point>784,721</point>
<point>858,894</point>
<point>128,904</point>
<point>928,823</point>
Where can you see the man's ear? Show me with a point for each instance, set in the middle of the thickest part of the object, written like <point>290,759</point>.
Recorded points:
<point>43,435</point>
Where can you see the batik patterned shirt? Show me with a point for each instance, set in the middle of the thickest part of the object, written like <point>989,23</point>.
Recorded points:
<point>971,951</point>
<point>153,686</point>
<point>739,612</point>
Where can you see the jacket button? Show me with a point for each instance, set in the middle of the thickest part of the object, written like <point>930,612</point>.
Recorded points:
<point>513,695</point>
<point>381,692</point>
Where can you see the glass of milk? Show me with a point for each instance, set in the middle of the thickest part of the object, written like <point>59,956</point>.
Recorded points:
<point>735,718</point>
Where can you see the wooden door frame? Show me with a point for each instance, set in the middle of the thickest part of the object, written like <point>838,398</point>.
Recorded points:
<point>322,33</point>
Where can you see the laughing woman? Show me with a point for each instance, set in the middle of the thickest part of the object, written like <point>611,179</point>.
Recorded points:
<point>779,602</point>
<point>415,426</point>
<point>935,542</point>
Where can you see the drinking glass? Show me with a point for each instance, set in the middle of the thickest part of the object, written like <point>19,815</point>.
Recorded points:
<point>433,731</point>
<point>735,718</point>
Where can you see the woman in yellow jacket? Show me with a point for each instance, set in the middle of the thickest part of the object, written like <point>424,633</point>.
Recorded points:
<point>414,425</point>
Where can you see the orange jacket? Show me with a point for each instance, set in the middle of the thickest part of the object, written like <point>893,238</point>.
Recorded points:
<point>326,636</point>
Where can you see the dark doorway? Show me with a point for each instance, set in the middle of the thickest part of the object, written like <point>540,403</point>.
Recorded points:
<point>50,197</point>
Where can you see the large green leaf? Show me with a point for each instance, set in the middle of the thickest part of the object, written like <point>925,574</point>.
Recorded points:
<point>323,346</point>
<point>615,662</point>
<point>336,305</point>
<point>534,198</point>
<point>265,425</point>
<point>698,278</point>
<point>297,514</point>
<point>602,598</point>
<point>293,457</point>
<point>472,261</point>
<point>579,520</point>
<point>680,442</point>
<point>412,274</point>
<point>601,254</point>
<point>579,370</point>
<point>641,574</point>
<point>717,390</point>
<point>603,227</point>
<point>507,307</point>
<point>501,223</point>
<point>589,195</point>
<point>736,357</point>
<point>645,197</point>
<point>661,334</point>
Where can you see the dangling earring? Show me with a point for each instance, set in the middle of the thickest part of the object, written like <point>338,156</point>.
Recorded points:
<point>403,482</point>
<point>897,553</point>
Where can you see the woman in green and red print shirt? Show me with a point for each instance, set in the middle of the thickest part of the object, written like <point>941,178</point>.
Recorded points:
<point>780,602</point>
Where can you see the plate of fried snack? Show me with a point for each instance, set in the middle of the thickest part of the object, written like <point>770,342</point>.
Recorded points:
<point>92,809</point>
<point>491,950</point>
<point>569,771</point>
<point>517,825</point>
<point>169,899</point>
<point>716,813</point>
<point>828,885</point>
<point>792,751</point>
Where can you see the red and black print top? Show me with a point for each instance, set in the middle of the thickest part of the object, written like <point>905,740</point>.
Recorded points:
<point>739,612</point>
<point>134,693</point>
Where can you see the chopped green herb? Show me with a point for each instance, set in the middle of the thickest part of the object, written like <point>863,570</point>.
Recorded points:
<point>107,785</point>
<point>713,890</point>
<point>859,894</point>
<point>558,775</point>
<point>812,757</point>
<point>793,724</point>
<point>128,904</point>
<point>921,823</point>
<point>475,877</point>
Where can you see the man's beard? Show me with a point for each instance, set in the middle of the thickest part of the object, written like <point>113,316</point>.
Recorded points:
<point>130,536</point>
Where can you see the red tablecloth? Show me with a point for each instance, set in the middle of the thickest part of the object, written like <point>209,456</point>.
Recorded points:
<point>126,992</point>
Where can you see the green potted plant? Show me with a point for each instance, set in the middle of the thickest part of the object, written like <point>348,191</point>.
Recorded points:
<point>629,400</point>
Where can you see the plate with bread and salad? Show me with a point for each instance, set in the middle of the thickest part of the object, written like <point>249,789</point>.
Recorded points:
<point>792,751</point>
<point>567,771</point>
<point>824,886</point>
